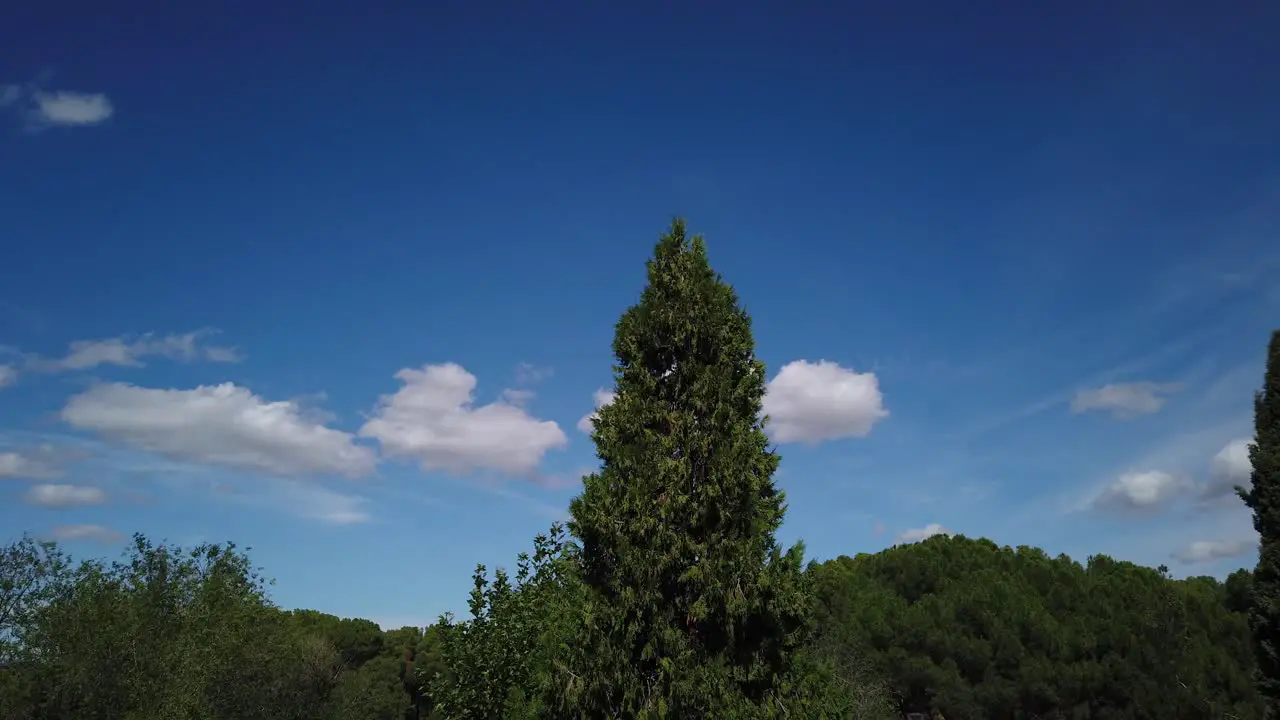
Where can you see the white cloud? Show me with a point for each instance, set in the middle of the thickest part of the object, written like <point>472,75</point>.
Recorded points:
<point>95,533</point>
<point>219,424</point>
<point>1229,468</point>
<point>1124,400</point>
<point>8,375</point>
<point>37,464</point>
<point>431,419</point>
<point>1203,551</point>
<point>1142,490</point>
<point>812,402</point>
<point>62,496</point>
<point>924,533</point>
<point>601,398</point>
<point>127,351</point>
<point>72,108</point>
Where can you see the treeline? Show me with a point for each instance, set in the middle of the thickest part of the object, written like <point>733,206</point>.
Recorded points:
<point>964,627</point>
<point>666,595</point>
<point>980,631</point>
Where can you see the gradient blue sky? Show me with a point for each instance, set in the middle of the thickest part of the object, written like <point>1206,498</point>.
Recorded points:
<point>1035,247</point>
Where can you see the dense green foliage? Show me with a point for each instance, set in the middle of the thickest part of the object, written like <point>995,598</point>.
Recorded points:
<point>1263,498</point>
<point>666,596</point>
<point>980,631</point>
<point>691,608</point>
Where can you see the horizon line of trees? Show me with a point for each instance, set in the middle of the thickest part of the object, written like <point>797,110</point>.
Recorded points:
<point>666,594</point>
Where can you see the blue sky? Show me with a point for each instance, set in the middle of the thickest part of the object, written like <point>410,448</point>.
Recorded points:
<point>340,285</point>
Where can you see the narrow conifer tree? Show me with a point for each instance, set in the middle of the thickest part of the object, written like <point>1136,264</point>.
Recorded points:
<point>1263,498</point>
<point>693,610</point>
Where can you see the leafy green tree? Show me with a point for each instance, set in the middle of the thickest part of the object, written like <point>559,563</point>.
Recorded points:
<point>496,664</point>
<point>357,640</point>
<point>374,691</point>
<point>693,609</point>
<point>428,669</point>
<point>1263,498</point>
<point>30,575</point>
<point>168,633</point>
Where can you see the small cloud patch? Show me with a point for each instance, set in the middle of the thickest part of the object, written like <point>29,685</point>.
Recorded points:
<point>64,496</point>
<point>814,402</point>
<point>1124,400</point>
<point>1142,491</point>
<point>922,533</point>
<point>1204,551</point>
<point>601,398</point>
<point>90,533</point>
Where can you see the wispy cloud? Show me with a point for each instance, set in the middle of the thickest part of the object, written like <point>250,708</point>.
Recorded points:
<point>307,499</point>
<point>530,374</point>
<point>42,462</point>
<point>92,533</point>
<point>73,108</point>
<point>130,351</point>
<point>64,496</point>
<point>52,108</point>
<point>1124,400</point>
<point>1204,551</point>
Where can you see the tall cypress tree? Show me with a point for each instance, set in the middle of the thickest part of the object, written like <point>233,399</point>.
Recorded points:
<point>1263,498</point>
<point>693,609</point>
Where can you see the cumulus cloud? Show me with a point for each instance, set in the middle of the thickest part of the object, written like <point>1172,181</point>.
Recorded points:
<point>432,419</point>
<point>1142,491</point>
<point>601,397</point>
<point>63,496</point>
<point>923,533</point>
<point>1203,551</point>
<point>94,533</point>
<point>128,351</point>
<point>8,375</point>
<point>1228,469</point>
<point>219,424</point>
<point>29,464</point>
<point>1124,400</point>
<point>812,402</point>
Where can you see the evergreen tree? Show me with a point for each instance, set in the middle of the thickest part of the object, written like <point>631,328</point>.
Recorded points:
<point>1263,498</point>
<point>693,610</point>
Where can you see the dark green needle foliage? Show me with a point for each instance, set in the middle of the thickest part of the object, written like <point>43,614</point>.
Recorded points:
<point>1263,498</point>
<point>693,610</point>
